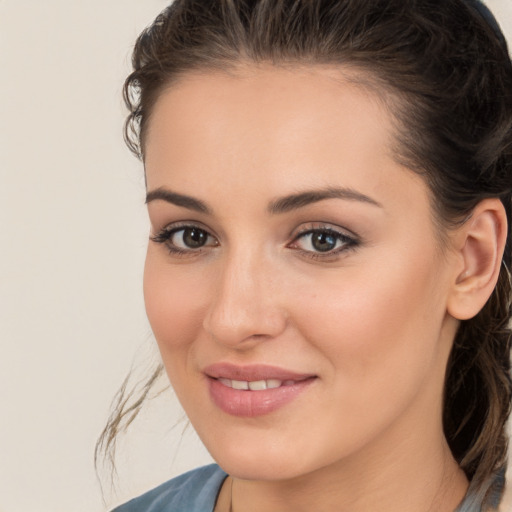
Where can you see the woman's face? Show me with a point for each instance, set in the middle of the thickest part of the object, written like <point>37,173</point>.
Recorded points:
<point>292,255</point>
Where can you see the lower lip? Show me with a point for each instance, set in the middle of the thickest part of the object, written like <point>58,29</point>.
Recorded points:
<point>249,404</point>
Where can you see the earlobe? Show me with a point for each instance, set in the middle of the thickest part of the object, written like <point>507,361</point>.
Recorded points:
<point>481,243</point>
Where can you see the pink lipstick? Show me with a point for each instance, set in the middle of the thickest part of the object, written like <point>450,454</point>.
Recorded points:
<point>254,390</point>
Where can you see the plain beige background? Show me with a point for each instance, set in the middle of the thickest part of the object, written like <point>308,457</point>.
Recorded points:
<point>72,240</point>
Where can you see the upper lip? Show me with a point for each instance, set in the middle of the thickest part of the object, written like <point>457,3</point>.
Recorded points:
<point>253,372</point>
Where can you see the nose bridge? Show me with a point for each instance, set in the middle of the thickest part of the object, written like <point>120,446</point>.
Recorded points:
<point>243,307</point>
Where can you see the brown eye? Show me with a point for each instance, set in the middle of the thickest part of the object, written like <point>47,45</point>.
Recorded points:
<point>190,238</point>
<point>323,242</point>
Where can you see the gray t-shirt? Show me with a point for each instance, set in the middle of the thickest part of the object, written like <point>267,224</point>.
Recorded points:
<point>197,491</point>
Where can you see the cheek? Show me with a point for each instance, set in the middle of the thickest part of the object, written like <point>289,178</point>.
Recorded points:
<point>379,330</point>
<point>175,303</point>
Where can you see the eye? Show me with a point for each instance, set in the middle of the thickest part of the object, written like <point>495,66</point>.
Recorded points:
<point>185,239</point>
<point>323,242</point>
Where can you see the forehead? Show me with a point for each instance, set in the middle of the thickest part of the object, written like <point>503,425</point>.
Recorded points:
<point>260,90</point>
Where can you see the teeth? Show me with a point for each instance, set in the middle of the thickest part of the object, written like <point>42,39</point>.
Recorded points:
<point>273,383</point>
<point>239,384</point>
<point>256,385</point>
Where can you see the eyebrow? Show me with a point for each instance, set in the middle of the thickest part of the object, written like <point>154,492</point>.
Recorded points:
<point>178,199</point>
<point>278,206</point>
<point>301,199</point>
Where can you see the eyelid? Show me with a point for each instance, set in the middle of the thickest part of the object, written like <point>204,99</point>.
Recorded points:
<point>324,226</point>
<point>182,224</point>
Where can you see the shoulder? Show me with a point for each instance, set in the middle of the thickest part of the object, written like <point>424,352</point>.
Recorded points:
<point>195,491</point>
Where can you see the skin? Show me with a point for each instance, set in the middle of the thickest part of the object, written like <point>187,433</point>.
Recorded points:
<point>373,322</point>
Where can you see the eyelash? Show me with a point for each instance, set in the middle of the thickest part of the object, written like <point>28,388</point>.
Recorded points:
<point>348,242</point>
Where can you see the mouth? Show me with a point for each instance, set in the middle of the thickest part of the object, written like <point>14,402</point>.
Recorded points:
<point>250,391</point>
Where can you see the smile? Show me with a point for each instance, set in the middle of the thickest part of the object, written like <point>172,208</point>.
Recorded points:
<point>255,390</point>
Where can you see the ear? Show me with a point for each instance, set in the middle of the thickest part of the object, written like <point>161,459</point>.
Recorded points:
<point>480,243</point>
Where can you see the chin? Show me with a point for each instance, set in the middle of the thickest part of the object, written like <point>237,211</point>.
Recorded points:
<point>267,456</point>
<point>261,468</point>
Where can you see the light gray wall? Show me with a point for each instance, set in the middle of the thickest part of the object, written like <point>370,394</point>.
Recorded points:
<point>73,232</point>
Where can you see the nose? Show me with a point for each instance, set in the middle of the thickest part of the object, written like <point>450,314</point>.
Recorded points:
<point>245,308</point>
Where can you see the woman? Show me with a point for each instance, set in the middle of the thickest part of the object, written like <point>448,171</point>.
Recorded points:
<point>327,276</point>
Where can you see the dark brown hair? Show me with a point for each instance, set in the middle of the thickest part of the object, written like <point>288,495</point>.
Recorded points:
<point>449,78</point>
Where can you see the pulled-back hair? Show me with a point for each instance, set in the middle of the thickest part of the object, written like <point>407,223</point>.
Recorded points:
<point>449,80</point>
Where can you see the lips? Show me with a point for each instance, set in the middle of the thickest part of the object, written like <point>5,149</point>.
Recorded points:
<point>254,390</point>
